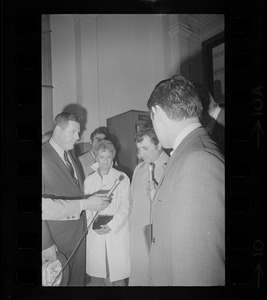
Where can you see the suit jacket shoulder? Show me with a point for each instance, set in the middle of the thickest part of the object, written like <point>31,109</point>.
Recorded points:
<point>57,180</point>
<point>198,140</point>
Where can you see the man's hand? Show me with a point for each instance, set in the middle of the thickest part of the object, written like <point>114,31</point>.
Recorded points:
<point>96,203</point>
<point>49,254</point>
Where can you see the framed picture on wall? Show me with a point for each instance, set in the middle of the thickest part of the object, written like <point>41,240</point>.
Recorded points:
<point>214,66</point>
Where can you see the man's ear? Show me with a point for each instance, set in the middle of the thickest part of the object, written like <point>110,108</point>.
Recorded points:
<point>158,112</point>
<point>154,112</point>
<point>58,129</point>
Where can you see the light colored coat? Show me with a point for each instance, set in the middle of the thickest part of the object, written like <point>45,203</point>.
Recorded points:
<point>139,217</point>
<point>114,244</point>
<point>188,248</point>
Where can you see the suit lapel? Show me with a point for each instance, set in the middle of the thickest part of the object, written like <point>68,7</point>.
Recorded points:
<point>169,163</point>
<point>77,169</point>
<point>57,159</point>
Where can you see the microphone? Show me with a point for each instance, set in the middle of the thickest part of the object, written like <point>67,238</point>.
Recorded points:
<point>116,183</point>
<point>151,170</point>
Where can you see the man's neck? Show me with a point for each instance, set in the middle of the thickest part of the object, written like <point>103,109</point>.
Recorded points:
<point>178,126</point>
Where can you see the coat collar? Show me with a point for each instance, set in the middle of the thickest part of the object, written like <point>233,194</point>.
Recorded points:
<point>191,136</point>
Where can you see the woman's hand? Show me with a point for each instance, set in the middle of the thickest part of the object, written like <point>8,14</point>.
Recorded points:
<point>104,229</point>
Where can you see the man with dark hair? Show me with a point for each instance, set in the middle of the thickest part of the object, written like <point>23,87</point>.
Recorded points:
<point>63,200</point>
<point>152,155</point>
<point>88,159</point>
<point>188,244</point>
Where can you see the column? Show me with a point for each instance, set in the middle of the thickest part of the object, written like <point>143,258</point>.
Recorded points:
<point>47,105</point>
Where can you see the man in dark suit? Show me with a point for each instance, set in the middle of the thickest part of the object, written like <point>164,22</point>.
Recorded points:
<point>188,244</point>
<point>62,186</point>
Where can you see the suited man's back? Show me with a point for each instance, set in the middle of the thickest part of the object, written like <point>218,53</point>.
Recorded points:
<point>188,216</point>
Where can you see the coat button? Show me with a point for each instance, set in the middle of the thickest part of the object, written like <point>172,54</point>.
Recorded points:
<point>73,217</point>
<point>153,240</point>
<point>68,217</point>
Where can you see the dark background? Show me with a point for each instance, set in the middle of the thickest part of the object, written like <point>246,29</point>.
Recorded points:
<point>245,40</point>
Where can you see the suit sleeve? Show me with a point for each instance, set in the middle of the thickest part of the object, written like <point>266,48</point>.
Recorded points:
<point>60,209</point>
<point>57,209</point>
<point>198,232</point>
<point>47,240</point>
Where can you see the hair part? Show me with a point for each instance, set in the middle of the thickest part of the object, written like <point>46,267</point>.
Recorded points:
<point>104,145</point>
<point>178,97</point>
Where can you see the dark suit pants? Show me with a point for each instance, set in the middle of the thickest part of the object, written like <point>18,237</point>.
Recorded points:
<point>77,266</point>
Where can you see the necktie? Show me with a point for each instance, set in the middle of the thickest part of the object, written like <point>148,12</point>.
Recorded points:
<point>69,166</point>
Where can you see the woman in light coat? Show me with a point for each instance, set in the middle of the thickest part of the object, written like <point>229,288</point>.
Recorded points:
<point>107,249</point>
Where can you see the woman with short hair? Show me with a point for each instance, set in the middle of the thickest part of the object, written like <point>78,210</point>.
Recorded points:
<point>107,253</point>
